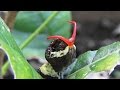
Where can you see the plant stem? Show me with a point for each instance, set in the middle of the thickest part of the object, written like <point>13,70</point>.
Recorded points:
<point>38,30</point>
<point>4,68</point>
<point>31,37</point>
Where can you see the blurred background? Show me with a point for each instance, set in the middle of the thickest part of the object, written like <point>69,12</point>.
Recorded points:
<point>97,29</point>
<point>94,30</point>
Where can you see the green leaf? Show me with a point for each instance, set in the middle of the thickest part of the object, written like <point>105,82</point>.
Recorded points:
<point>81,68</point>
<point>105,59</point>
<point>80,74</point>
<point>25,25</point>
<point>106,63</point>
<point>21,68</point>
<point>5,35</point>
<point>28,21</point>
<point>36,48</point>
<point>83,60</point>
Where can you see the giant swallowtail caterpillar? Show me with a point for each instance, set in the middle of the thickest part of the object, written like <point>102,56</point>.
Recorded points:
<point>61,52</point>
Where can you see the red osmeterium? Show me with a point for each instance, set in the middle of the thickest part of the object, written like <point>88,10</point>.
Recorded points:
<point>70,41</point>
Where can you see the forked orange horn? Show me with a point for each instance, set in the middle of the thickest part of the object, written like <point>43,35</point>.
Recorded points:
<point>69,41</point>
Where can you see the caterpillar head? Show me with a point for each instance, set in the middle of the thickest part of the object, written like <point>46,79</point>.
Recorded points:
<point>61,52</point>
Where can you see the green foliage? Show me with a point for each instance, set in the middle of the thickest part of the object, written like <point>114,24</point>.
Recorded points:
<point>103,59</point>
<point>28,21</point>
<point>20,66</point>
